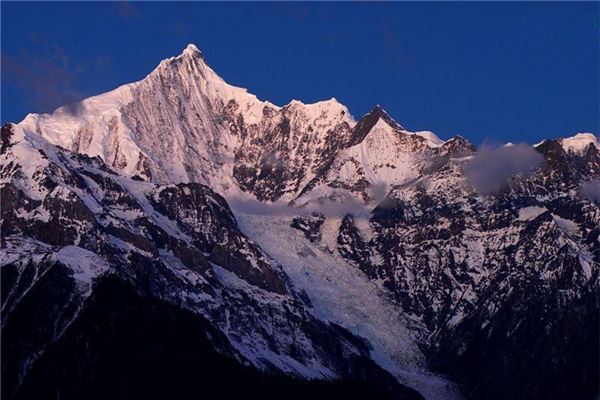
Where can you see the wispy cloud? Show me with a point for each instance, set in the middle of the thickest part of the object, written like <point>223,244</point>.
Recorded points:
<point>126,10</point>
<point>47,77</point>
<point>338,207</point>
<point>591,190</point>
<point>181,29</point>
<point>244,205</point>
<point>491,168</point>
<point>46,83</point>
<point>334,206</point>
<point>392,42</point>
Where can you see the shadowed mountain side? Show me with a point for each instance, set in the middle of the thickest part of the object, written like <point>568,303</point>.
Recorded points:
<point>125,346</point>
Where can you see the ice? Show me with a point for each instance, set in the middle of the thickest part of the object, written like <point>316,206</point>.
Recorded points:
<point>566,225</point>
<point>531,212</point>
<point>342,294</point>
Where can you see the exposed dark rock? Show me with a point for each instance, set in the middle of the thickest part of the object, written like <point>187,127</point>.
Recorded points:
<point>309,225</point>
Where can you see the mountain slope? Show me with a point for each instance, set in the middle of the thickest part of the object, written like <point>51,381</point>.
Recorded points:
<point>143,335</point>
<point>68,222</point>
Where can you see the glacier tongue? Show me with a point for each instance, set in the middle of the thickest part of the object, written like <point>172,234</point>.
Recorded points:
<point>342,294</point>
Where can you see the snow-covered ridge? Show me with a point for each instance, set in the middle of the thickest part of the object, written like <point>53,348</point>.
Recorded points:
<point>323,107</point>
<point>184,123</point>
<point>432,139</point>
<point>579,142</point>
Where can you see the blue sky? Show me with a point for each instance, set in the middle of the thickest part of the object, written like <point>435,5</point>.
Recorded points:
<point>495,72</point>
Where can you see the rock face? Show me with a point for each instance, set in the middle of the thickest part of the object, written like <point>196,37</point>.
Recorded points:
<point>131,194</point>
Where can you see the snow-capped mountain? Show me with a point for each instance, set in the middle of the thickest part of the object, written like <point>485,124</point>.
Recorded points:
<point>183,123</point>
<point>296,242</point>
<point>579,143</point>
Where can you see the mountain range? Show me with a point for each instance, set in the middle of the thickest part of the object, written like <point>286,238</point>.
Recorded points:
<point>179,237</point>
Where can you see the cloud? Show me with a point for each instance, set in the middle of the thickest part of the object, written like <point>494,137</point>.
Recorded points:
<point>339,207</point>
<point>591,190</point>
<point>393,44</point>
<point>126,10</point>
<point>180,29</point>
<point>328,207</point>
<point>47,77</point>
<point>491,168</point>
<point>380,191</point>
<point>336,206</point>
<point>45,82</point>
<point>270,160</point>
<point>251,206</point>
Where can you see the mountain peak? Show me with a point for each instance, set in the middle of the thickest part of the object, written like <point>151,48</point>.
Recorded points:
<point>379,113</point>
<point>191,52</point>
<point>368,121</point>
<point>191,49</point>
